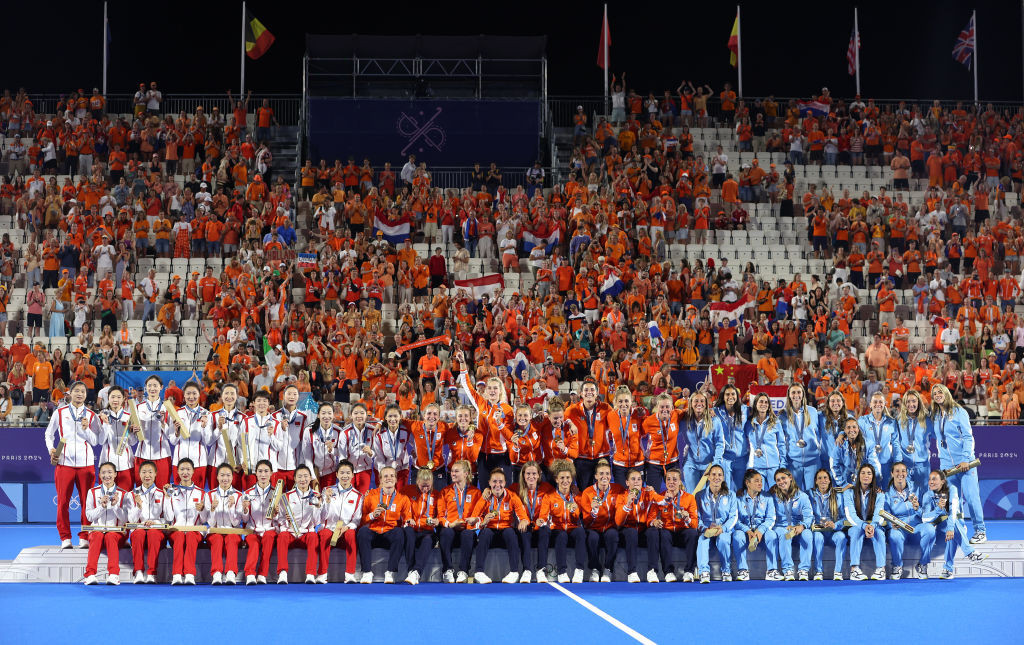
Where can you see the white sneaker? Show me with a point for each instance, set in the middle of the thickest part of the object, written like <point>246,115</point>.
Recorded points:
<point>818,576</point>
<point>541,576</point>
<point>461,577</point>
<point>979,538</point>
<point>705,578</point>
<point>310,579</point>
<point>389,577</point>
<point>947,574</point>
<point>250,580</point>
<point>606,577</point>
<point>261,580</point>
<point>563,578</point>
<point>65,544</point>
<point>803,575</point>
<point>367,577</point>
<point>190,579</point>
<point>837,576</point>
<point>743,576</point>
<point>448,576</point>
<point>879,574</point>
<point>84,544</point>
<point>140,578</point>
<point>857,574</point>
<point>176,579</point>
<point>977,557</point>
<point>671,577</point>
<point>481,578</point>
<point>113,579</point>
<point>788,575</point>
<point>726,577</point>
<point>772,575</point>
<point>413,578</point>
<point>150,579</point>
<point>510,578</point>
<point>652,576</point>
<point>90,580</point>
<point>595,576</point>
<point>687,576</point>
<point>217,578</point>
<point>229,578</point>
<point>282,578</point>
<point>577,576</point>
<point>321,579</point>
<point>633,577</point>
<point>897,573</point>
<point>350,578</point>
<point>526,576</point>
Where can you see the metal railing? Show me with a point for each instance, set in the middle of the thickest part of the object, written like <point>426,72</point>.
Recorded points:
<point>287,107</point>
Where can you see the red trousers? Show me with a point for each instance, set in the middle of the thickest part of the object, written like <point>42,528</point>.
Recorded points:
<point>141,539</point>
<point>287,475</point>
<point>200,476</point>
<point>361,481</point>
<point>330,479</point>
<point>286,540</point>
<point>67,478</point>
<point>113,542</point>
<point>348,540</point>
<point>125,479</point>
<point>184,544</point>
<point>219,543</point>
<point>163,470</point>
<point>259,548</point>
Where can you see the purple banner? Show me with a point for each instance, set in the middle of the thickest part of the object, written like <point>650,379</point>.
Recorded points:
<point>1001,450</point>
<point>23,456</point>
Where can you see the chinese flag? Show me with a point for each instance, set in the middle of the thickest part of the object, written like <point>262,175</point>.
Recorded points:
<point>742,376</point>
<point>606,40</point>
<point>257,38</point>
<point>734,41</point>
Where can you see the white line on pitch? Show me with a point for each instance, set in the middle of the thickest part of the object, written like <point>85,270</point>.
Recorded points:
<point>601,614</point>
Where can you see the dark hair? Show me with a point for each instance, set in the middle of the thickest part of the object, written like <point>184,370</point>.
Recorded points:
<point>794,490</point>
<point>833,499</point>
<point>865,513</point>
<point>737,409</point>
<point>261,394</point>
<point>116,388</point>
<point>749,476</point>
<point>147,462</point>
<point>262,462</point>
<point>223,466</point>
<point>107,463</point>
<point>345,463</point>
<point>725,486</point>
<point>303,467</point>
<point>192,385</point>
<point>156,378</point>
<point>186,459</point>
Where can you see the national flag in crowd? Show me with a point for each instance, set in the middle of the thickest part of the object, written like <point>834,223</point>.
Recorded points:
<point>606,41</point>
<point>851,52</point>
<point>257,38</point>
<point>777,393</point>
<point>490,284</point>
<point>729,313</point>
<point>963,51</point>
<point>734,41</point>
<point>742,376</point>
<point>816,108</point>
<point>395,231</point>
<point>550,242</point>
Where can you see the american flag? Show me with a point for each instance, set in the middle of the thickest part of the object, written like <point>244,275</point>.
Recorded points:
<point>963,51</point>
<point>851,53</point>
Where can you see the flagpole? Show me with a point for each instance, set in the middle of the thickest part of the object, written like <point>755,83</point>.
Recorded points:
<point>241,93</point>
<point>856,48</point>
<point>739,52</point>
<point>604,42</point>
<point>974,18</point>
<point>106,47</point>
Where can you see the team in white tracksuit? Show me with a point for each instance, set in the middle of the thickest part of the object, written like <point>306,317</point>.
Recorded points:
<point>147,508</point>
<point>224,504</point>
<point>260,544</point>
<point>357,446</point>
<point>299,514</point>
<point>294,445</point>
<point>345,506</point>
<point>115,428</point>
<point>156,430</point>
<point>197,445</point>
<point>184,505</point>
<point>106,507</point>
<point>259,433</point>
<point>325,440</point>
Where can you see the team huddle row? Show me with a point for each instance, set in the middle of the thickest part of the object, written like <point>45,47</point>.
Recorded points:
<point>597,477</point>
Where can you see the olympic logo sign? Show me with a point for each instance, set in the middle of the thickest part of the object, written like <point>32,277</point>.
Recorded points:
<point>73,505</point>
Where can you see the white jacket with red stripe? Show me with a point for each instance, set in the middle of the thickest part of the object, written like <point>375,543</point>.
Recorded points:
<point>80,430</point>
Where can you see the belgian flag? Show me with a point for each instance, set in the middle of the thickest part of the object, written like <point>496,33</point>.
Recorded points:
<point>257,38</point>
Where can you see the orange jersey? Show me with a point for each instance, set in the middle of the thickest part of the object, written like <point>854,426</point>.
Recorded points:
<point>508,510</point>
<point>625,435</point>
<point>599,506</point>
<point>423,507</point>
<point>533,499</point>
<point>593,436</point>
<point>560,513</point>
<point>491,418</point>
<point>662,439</point>
<point>396,510</point>
<point>463,446</point>
<point>633,513</point>
<point>668,510</point>
<point>567,433</point>
<point>429,444</point>
<point>524,444</point>
<point>458,504</point>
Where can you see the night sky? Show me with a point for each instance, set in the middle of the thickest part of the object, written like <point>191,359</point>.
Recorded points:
<point>906,45</point>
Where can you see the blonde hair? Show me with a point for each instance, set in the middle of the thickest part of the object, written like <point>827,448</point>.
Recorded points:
<point>949,406</point>
<point>885,406</point>
<point>465,465</point>
<point>503,396</point>
<point>922,409</point>
<point>620,391</point>
<point>790,411</point>
<point>424,475</point>
<point>523,490</point>
<point>705,418</point>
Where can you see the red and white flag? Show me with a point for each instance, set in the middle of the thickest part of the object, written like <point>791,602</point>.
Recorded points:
<point>729,313</point>
<point>490,284</point>
<point>603,59</point>
<point>851,52</point>
<point>777,393</point>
